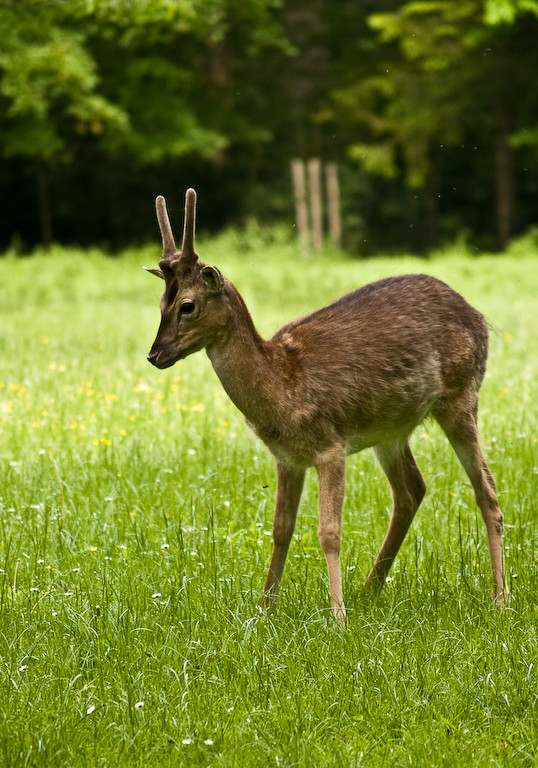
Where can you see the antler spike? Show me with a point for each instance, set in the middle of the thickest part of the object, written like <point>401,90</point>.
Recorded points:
<point>169,246</point>
<point>187,248</point>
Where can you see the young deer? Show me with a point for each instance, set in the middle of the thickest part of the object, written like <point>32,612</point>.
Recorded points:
<point>363,371</point>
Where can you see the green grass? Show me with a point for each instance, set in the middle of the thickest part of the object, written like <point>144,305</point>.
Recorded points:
<point>135,514</point>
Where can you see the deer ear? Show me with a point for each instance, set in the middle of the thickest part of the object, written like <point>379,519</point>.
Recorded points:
<point>212,278</point>
<point>157,272</point>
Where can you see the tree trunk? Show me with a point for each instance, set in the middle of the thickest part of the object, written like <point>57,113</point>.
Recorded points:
<point>431,206</point>
<point>504,183</point>
<point>43,203</point>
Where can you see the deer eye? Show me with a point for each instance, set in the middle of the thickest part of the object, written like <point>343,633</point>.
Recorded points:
<point>186,308</point>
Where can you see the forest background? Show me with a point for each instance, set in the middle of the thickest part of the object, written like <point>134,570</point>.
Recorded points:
<point>429,109</point>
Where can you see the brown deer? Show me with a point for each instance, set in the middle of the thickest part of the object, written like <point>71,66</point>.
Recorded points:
<point>363,371</point>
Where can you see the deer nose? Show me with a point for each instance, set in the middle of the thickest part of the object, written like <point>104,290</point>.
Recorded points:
<point>152,357</point>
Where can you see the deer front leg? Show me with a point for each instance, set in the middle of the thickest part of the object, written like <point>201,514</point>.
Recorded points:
<point>331,468</point>
<point>288,494</point>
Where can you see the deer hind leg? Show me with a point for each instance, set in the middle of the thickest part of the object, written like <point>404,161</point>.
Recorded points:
<point>288,494</point>
<point>459,422</point>
<point>331,468</point>
<point>408,490</point>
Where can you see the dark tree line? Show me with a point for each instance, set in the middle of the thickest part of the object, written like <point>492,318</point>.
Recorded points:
<point>428,108</point>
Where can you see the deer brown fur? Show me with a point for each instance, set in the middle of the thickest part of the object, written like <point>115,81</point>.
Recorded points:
<point>361,372</point>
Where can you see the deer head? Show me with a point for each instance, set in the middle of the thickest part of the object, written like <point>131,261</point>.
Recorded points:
<point>193,308</point>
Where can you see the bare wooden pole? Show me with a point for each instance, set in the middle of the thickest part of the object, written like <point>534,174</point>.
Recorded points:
<point>314,184</point>
<point>301,210</point>
<point>333,201</point>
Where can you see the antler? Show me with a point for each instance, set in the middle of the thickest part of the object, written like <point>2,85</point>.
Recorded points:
<point>169,246</point>
<point>188,254</point>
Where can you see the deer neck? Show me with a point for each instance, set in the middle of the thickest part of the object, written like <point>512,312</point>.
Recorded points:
<point>244,363</point>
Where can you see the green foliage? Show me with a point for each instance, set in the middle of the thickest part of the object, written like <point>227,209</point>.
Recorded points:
<point>448,75</point>
<point>506,11</point>
<point>414,100</point>
<point>49,82</point>
<point>419,98</point>
<point>108,68</point>
<point>135,531</point>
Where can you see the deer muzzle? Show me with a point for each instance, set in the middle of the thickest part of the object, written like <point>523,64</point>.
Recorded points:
<point>159,360</point>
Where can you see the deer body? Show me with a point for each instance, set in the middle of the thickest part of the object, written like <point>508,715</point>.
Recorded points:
<point>361,372</point>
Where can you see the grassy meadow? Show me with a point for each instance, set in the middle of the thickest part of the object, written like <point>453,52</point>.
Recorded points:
<point>135,534</point>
